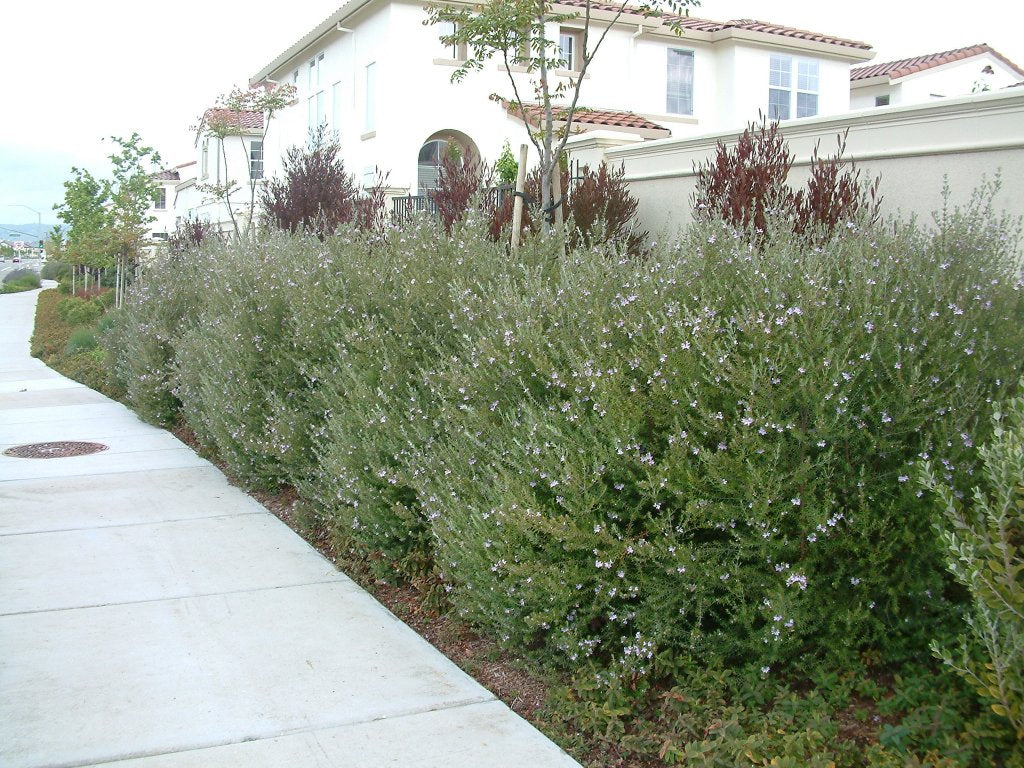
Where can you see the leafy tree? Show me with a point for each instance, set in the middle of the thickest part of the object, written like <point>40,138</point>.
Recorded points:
<point>516,32</point>
<point>106,218</point>
<point>222,123</point>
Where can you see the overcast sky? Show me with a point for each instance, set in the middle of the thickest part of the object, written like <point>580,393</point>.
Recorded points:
<point>77,72</point>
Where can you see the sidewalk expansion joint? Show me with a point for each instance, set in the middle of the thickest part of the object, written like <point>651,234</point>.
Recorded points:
<point>204,465</point>
<point>101,527</point>
<point>282,733</point>
<point>340,578</point>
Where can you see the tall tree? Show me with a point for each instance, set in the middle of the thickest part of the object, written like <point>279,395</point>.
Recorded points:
<point>516,32</point>
<point>226,121</point>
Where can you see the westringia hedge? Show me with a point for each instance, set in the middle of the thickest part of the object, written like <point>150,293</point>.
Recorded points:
<point>638,464</point>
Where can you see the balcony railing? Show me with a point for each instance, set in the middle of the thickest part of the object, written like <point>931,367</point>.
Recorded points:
<point>403,208</point>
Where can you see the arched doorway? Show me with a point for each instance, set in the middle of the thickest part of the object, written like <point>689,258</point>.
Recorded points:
<point>433,151</point>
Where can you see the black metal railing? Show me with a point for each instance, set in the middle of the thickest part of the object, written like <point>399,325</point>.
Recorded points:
<point>403,208</point>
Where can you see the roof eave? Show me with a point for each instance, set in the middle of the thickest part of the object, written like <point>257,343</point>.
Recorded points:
<point>866,82</point>
<point>835,50</point>
<point>310,39</point>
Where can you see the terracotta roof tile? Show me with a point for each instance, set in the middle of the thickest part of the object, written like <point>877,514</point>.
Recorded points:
<point>903,67</point>
<point>171,175</point>
<point>705,25</point>
<point>246,121</point>
<point>584,117</point>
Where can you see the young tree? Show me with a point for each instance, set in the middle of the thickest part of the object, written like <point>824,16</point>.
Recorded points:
<point>226,120</point>
<point>84,211</point>
<point>106,218</point>
<point>516,32</point>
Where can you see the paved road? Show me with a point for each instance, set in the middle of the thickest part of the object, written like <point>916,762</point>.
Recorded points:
<point>153,616</point>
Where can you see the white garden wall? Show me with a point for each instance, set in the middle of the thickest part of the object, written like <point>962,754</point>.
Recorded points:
<point>913,148</point>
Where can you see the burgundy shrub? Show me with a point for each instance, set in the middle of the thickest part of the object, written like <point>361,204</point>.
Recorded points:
<point>316,194</point>
<point>459,179</point>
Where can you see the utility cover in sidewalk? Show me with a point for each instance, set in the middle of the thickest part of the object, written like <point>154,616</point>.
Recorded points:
<point>58,450</point>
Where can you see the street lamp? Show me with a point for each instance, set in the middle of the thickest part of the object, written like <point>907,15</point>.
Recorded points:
<point>39,218</point>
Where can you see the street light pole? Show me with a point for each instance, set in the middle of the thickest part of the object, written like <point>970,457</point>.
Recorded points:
<point>39,218</point>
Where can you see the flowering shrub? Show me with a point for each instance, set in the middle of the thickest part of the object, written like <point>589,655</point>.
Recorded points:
<point>638,465</point>
<point>708,454</point>
<point>985,543</point>
<point>140,342</point>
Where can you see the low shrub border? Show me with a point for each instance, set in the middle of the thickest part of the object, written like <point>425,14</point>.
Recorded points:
<point>683,484</point>
<point>68,346</point>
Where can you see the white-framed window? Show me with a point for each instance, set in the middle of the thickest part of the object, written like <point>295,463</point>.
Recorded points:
<point>370,118</point>
<point>160,199</point>
<point>452,51</point>
<point>256,160</point>
<point>204,163</point>
<point>316,102</point>
<point>570,43</point>
<point>369,176</point>
<point>317,111</point>
<point>679,83</point>
<point>336,106</point>
<point>790,96</point>
<point>315,65</point>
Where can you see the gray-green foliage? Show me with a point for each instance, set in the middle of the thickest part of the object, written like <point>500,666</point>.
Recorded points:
<point>636,462</point>
<point>141,342</point>
<point>707,452</point>
<point>984,537</point>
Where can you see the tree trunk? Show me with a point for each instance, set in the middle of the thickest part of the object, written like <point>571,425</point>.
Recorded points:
<point>517,207</point>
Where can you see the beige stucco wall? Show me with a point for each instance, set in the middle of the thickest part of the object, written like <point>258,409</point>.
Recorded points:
<point>913,149</point>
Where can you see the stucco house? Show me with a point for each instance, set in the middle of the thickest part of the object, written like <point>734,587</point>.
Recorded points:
<point>376,75</point>
<point>164,211</point>
<point>920,79</point>
<point>220,160</point>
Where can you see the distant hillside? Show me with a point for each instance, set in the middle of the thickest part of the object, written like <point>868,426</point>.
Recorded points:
<point>27,232</point>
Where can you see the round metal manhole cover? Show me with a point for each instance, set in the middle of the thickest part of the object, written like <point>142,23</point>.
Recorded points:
<point>58,450</point>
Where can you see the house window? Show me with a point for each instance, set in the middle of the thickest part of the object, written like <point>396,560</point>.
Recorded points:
<point>256,160</point>
<point>336,110</point>
<point>453,51</point>
<point>882,101</point>
<point>679,91</point>
<point>317,98</point>
<point>806,88</point>
<point>317,111</point>
<point>205,161</point>
<point>785,101</point>
<point>369,176</point>
<point>370,121</point>
<point>569,45</point>
<point>524,51</point>
<point>160,199</point>
<point>428,165</point>
<point>315,65</point>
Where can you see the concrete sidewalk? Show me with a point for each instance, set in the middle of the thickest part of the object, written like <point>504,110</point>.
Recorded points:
<point>151,615</point>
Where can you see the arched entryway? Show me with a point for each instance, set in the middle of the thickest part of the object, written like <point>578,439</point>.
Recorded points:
<point>433,152</point>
